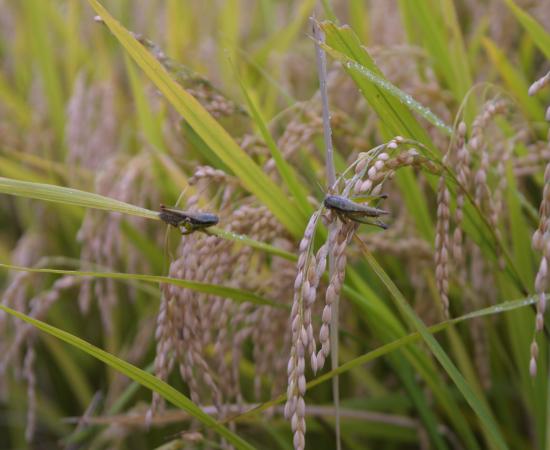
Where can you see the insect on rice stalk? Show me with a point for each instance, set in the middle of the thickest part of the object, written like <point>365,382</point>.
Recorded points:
<point>347,209</point>
<point>187,221</point>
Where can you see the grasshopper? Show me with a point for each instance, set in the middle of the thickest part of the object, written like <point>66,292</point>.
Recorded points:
<point>347,209</point>
<point>187,221</point>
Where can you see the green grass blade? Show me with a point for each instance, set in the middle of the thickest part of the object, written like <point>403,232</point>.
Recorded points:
<point>210,131</point>
<point>395,117</point>
<point>38,15</point>
<point>519,231</point>
<point>396,345</point>
<point>434,24</point>
<point>79,436</point>
<point>148,248</point>
<point>201,147</point>
<point>245,240</point>
<point>14,103</point>
<point>69,196</point>
<point>540,36</point>
<point>14,169</point>
<point>282,40</point>
<point>416,202</point>
<point>514,79</point>
<point>149,123</point>
<point>487,420</point>
<point>418,397</point>
<point>387,327</point>
<point>145,379</point>
<point>405,99</point>
<point>235,294</point>
<point>74,373</point>
<point>39,164</point>
<point>360,20</point>
<point>229,34</point>
<point>287,173</point>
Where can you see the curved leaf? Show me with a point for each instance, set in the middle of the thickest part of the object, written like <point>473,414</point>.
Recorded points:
<point>213,289</point>
<point>210,131</point>
<point>135,373</point>
<point>69,196</point>
<point>390,88</point>
<point>477,404</point>
<point>540,36</point>
<point>393,346</point>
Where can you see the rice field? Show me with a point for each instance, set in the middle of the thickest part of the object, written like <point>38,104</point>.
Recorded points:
<point>274,224</point>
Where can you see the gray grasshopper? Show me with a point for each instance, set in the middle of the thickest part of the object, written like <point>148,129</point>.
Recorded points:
<point>347,209</point>
<point>187,221</point>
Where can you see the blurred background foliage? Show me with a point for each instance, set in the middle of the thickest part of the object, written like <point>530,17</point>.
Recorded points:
<point>76,111</point>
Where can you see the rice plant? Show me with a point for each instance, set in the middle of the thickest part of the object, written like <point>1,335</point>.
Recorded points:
<point>274,225</point>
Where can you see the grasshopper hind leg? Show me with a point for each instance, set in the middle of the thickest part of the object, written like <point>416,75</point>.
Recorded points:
<point>381,224</point>
<point>375,222</point>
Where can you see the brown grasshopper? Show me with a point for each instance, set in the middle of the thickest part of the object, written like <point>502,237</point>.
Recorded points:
<point>347,209</point>
<point>187,221</point>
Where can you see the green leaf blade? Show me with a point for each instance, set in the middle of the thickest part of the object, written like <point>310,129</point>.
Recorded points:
<point>142,377</point>
<point>210,131</point>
